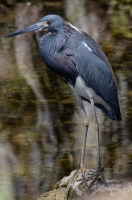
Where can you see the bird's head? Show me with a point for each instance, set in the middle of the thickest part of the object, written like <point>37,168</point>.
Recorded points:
<point>49,23</point>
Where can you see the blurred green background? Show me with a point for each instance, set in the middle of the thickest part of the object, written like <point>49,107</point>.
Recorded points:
<point>40,121</point>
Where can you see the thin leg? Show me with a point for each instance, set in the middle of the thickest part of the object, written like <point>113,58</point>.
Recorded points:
<point>85,124</point>
<point>84,143</point>
<point>80,173</point>
<point>96,128</point>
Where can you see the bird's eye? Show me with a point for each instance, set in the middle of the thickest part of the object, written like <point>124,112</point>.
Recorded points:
<point>48,22</point>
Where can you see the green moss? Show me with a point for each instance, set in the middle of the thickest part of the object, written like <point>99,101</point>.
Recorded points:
<point>121,25</point>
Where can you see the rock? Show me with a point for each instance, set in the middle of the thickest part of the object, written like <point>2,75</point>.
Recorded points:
<point>88,187</point>
<point>60,194</point>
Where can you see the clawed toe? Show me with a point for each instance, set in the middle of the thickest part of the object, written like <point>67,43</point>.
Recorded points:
<point>82,175</point>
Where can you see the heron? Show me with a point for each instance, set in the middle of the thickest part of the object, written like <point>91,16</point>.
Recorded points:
<point>77,58</point>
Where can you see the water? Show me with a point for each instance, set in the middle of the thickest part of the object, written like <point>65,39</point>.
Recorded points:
<point>41,127</point>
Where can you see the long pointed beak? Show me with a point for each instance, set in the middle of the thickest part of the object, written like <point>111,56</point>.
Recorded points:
<point>35,27</point>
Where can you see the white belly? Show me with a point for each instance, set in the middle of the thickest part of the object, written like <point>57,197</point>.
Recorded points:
<point>82,90</point>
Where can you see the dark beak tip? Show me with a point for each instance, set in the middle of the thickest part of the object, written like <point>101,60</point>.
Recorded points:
<point>7,36</point>
<point>12,35</point>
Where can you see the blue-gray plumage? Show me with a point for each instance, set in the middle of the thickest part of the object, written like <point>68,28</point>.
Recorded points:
<point>75,56</point>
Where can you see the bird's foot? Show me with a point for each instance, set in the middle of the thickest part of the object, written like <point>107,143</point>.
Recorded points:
<point>82,176</point>
<point>81,182</point>
<point>99,178</point>
<point>76,177</point>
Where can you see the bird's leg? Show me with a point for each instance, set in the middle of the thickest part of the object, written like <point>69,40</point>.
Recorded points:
<point>78,174</point>
<point>96,128</point>
<point>81,170</point>
<point>85,124</point>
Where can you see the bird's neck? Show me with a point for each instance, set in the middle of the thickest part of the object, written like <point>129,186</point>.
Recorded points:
<point>52,42</point>
<point>50,45</point>
<point>57,38</point>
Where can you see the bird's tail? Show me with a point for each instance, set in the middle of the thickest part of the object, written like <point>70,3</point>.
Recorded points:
<point>114,113</point>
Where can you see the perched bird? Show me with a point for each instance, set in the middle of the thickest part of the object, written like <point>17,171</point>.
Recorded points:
<point>75,56</point>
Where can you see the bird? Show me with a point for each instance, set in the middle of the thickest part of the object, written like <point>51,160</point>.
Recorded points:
<point>72,54</point>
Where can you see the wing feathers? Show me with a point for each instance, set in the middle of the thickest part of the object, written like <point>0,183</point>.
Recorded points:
<point>97,75</point>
